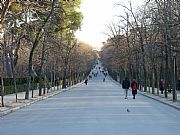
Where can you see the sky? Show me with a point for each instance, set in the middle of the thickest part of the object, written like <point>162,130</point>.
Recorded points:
<point>97,15</point>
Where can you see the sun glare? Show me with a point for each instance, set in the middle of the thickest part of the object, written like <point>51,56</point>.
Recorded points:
<point>97,15</point>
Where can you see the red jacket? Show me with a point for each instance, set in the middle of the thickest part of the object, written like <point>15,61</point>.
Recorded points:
<point>134,85</point>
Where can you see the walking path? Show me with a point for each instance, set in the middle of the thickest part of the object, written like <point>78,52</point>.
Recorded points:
<point>98,108</point>
<point>11,105</point>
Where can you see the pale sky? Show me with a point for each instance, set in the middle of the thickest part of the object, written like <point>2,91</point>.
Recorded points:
<point>97,15</point>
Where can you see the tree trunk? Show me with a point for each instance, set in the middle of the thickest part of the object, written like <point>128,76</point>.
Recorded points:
<point>64,76</point>
<point>166,66</point>
<point>158,78</point>
<point>51,79</point>
<point>27,89</point>
<point>35,44</point>
<point>173,76</point>
<point>54,77</point>
<point>33,88</point>
<point>13,73</point>
<point>6,52</point>
<point>153,80</point>
<point>30,72</point>
<point>40,85</point>
<point>2,91</point>
<point>143,64</point>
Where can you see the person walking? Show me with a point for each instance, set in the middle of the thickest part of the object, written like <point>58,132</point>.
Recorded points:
<point>178,84</point>
<point>125,86</point>
<point>86,81</point>
<point>161,86</point>
<point>134,88</point>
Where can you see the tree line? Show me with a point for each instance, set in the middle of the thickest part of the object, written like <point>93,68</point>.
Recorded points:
<point>37,40</point>
<point>144,44</point>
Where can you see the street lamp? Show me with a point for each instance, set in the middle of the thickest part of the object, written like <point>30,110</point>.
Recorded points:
<point>13,72</point>
<point>44,61</point>
<point>174,77</point>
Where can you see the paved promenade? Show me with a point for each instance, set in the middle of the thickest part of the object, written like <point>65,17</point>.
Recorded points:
<point>11,105</point>
<point>98,108</point>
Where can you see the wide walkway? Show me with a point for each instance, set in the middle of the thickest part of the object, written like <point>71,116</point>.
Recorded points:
<point>98,108</point>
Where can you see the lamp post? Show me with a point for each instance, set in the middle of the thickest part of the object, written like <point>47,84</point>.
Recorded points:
<point>174,77</point>
<point>1,76</point>
<point>13,72</point>
<point>44,61</point>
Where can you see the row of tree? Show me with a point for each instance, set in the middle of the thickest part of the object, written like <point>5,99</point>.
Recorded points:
<point>37,39</point>
<point>145,44</point>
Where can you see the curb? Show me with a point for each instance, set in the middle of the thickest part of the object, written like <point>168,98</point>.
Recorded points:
<point>11,110</point>
<point>164,102</point>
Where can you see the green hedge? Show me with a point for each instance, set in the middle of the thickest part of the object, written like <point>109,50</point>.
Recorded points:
<point>20,88</point>
<point>21,85</point>
<point>9,81</point>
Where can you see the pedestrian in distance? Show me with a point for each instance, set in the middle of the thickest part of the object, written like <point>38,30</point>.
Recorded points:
<point>86,81</point>
<point>104,79</point>
<point>90,77</point>
<point>178,84</point>
<point>161,86</point>
<point>134,88</point>
<point>125,86</point>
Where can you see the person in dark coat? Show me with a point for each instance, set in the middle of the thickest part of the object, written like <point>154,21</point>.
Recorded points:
<point>125,86</point>
<point>161,86</point>
<point>86,81</point>
<point>178,84</point>
<point>134,88</point>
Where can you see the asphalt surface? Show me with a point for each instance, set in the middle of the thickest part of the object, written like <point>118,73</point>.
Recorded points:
<point>98,108</point>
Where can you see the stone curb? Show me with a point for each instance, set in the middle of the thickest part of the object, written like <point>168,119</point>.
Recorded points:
<point>164,102</point>
<point>8,111</point>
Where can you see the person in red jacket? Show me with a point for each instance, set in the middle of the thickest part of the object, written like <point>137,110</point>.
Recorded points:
<point>134,88</point>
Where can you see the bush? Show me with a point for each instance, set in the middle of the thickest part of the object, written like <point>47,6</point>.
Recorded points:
<point>21,85</point>
<point>9,81</point>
